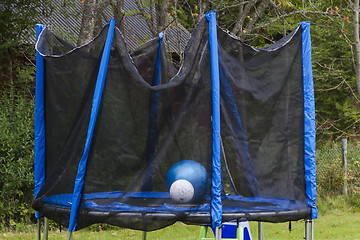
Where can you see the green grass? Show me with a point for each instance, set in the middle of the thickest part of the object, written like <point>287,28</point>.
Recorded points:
<point>338,224</point>
<point>341,224</point>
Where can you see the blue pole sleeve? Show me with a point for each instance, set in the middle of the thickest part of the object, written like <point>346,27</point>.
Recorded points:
<point>216,205</point>
<point>309,120</point>
<point>39,162</point>
<point>153,117</point>
<point>79,181</point>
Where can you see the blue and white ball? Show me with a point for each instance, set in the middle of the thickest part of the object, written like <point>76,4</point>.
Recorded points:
<point>187,181</point>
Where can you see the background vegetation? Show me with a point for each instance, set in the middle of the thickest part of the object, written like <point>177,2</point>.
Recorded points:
<point>257,22</point>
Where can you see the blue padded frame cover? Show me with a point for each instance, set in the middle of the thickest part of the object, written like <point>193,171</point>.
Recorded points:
<point>39,161</point>
<point>309,120</point>
<point>216,205</point>
<point>100,81</point>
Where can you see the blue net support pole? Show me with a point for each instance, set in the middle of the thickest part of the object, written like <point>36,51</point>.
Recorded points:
<point>153,117</point>
<point>79,181</point>
<point>39,162</point>
<point>216,205</point>
<point>309,120</point>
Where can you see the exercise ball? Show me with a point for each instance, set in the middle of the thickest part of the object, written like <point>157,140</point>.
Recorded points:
<point>187,181</point>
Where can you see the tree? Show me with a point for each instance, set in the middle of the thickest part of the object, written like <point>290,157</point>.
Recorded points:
<point>355,9</point>
<point>154,13</point>
<point>242,27</point>
<point>91,18</point>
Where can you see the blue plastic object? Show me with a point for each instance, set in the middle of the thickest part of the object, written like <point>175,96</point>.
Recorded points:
<point>39,162</point>
<point>153,118</point>
<point>79,181</point>
<point>216,205</point>
<point>309,120</point>
<point>193,172</point>
<point>229,230</point>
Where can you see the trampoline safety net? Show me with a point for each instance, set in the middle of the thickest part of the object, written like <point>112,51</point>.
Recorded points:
<point>153,116</point>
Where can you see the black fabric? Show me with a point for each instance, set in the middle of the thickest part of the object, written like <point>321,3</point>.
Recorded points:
<point>261,129</point>
<point>267,88</point>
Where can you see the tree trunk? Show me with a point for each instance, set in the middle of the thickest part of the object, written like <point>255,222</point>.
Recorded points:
<point>355,9</point>
<point>12,87</point>
<point>239,24</point>
<point>119,14</point>
<point>259,11</point>
<point>203,7</point>
<point>244,11</point>
<point>88,22</point>
<point>178,33</point>
<point>284,20</point>
<point>147,16</point>
<point>161,15</point>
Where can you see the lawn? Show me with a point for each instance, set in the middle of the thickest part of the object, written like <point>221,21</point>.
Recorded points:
<point>337,224</point>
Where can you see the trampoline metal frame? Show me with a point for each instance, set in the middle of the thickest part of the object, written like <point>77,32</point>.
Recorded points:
<point>308,233</point>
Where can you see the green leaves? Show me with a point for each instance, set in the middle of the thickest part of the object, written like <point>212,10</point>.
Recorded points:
<point>16,159</point>
<point>17,88</point>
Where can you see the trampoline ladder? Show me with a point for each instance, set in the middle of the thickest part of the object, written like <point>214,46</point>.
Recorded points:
<point>203,233</point>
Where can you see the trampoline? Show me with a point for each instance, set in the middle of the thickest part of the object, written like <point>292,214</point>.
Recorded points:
<point>110,124</point>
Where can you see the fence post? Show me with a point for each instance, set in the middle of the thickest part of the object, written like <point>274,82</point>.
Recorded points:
<point>344,164</point>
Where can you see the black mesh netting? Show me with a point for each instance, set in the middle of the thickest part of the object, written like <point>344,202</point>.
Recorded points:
<point>131,153</point>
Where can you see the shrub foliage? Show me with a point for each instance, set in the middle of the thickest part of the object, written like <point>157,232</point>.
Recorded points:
<point>16,153</point>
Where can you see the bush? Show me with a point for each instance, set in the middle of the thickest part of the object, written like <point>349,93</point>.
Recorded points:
<point>16,151</point>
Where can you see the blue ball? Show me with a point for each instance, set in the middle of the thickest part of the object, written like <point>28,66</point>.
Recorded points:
<point>185,174</point>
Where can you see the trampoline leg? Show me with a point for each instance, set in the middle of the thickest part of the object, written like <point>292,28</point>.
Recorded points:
<point>144,235</point>
<point>39,228</point>
<point>46,228</point>
<point>312,229</point>
<point>307,231</point>
<point>260,231</point>
<point>70,236</point>
<point>218,233</point>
